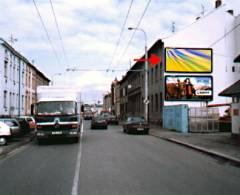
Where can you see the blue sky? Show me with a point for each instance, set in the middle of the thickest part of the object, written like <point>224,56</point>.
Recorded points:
<point>90,30</point>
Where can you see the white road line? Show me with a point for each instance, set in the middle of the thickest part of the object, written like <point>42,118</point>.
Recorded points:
<point>77,168</point>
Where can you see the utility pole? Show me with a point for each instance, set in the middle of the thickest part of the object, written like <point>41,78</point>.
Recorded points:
<point>146,101</point>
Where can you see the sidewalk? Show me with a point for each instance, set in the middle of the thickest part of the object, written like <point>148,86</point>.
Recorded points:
<point>217,144</point>
<point>15,143</point>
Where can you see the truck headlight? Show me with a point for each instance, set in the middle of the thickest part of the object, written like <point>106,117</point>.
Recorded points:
<point>40,134</point>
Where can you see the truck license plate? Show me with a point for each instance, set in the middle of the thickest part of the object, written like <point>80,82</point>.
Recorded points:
<point>56,132</point>
<point>140,129</point>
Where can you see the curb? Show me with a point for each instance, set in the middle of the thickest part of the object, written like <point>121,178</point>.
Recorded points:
<point>201,149</point>
<point>7,150</point>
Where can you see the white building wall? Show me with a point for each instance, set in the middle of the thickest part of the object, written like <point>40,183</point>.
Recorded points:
<point>202,34</point>
<point>10,84</point>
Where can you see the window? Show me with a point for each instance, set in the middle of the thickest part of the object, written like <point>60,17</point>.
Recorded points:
<point>22,101</point>
<point>152,76</point>
<point>160,101</point>
<point>14,100</point>
<point>14,70</point>
<point>156,73</point>
<point>152,102</point>
<point>233,68</point>
<point>22,76</point>
<point>10,100</point>
<point>5,69</point>
<point>10,71</point>
<point>5,99</point>
<point>156,102</point>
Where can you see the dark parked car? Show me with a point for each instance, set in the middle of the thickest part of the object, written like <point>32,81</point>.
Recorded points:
<point>13,124</point>
<point>135,125</point>
<point>111,119</point>
<point>99,122</point>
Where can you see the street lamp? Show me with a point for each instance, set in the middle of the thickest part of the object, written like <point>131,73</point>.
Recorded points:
<point>146,73</point>
<point>56,74</point>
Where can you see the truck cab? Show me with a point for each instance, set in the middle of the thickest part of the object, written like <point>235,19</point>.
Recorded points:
<point>57,117</point>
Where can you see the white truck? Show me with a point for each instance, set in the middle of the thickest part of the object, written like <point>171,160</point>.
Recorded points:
<point>57,113</point>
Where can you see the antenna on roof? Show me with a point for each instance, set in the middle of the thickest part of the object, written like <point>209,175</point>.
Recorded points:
<point>12,40</point>
<point>203,10</point>
<point>173,27</point>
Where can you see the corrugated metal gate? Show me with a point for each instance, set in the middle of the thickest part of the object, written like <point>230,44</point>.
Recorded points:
<point>176,118</point>
<point>203,119</point>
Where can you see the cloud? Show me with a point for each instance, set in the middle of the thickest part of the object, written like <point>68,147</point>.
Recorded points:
<point>90,30</point>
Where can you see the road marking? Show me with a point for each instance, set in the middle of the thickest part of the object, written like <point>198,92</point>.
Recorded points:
<point>9,155</point>
<point>77,168</point>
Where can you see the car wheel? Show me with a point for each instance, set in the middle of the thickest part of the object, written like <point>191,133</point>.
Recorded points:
<point>147,132</point>
<point>3,141</point>
<point>76,139</point>
<point>40,141</point>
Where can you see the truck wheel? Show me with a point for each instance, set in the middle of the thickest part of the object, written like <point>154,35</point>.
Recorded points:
<point>76,139</point>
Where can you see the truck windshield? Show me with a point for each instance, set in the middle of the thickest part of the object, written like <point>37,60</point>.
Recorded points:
<point>56,108</point>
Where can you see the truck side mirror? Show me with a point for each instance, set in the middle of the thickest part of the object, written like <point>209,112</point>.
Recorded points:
<point>82,108</point>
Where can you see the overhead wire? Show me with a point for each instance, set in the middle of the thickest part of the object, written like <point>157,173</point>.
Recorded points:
<point>46,31</point>
<point>59,33</point>
<point>133,34</point>
<point>225,34</point>
<point>121,33</point>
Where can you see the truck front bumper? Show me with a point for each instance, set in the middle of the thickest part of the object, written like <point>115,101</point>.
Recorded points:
<point>56,134</point>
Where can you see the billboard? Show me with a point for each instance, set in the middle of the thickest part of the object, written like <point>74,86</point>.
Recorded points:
<point>188,88</point>
<point>188,60</point>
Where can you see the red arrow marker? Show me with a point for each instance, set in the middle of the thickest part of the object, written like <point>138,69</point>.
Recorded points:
<point>153,60</point>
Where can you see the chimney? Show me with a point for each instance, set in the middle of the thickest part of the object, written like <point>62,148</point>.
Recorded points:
<point>218,3</point>
<point>230,12</point>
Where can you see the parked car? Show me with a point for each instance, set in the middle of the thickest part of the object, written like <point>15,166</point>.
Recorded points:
<point>27,123</point>
<point>14,125</point>
<point>99,122</point>
<point>112,119</point>
<point>135,125</point>
<point>23,125</point>
<point>5,133</point>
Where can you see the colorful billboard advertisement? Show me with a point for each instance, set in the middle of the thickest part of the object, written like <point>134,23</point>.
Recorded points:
<point>188,60</point>
<point>188,88</point>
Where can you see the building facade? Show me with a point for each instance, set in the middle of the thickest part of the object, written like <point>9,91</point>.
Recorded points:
<point>115,94</point>
<point>107,102</point>
<point>18,78</point>
<point>132,88</point>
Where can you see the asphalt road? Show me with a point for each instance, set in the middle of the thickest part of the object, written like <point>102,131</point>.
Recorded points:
<point>110,162</point>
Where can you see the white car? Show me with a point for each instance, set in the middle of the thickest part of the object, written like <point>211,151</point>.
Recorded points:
<point>5,132</point>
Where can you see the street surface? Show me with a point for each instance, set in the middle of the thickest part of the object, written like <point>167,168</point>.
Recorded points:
<point>110,162</point>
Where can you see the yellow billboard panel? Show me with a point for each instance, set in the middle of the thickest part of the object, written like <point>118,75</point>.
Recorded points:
<point>188,60</point>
